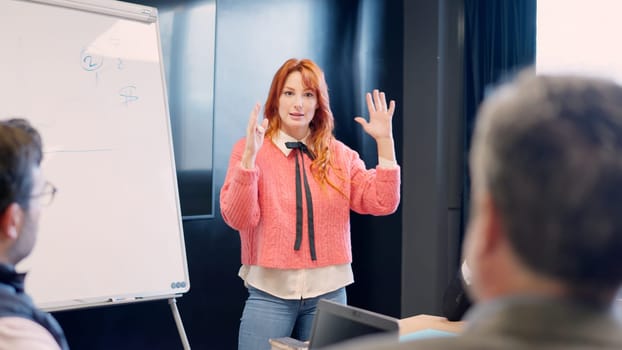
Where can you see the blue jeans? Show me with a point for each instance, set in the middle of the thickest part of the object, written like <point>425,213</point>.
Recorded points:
<point>266,316</point>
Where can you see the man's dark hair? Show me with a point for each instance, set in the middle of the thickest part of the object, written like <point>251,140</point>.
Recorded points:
<point>548,149</point>
<point>20,152</point>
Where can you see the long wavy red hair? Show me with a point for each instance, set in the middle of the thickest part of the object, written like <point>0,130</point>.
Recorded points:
<point>323,123</point>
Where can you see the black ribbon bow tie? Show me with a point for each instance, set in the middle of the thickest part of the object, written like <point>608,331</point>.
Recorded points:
<point>302,148</point>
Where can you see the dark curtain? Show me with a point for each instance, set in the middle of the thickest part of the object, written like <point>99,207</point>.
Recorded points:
<point>500,38</point>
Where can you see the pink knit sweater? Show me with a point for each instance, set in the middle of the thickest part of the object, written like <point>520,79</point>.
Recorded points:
<point>261,204</point>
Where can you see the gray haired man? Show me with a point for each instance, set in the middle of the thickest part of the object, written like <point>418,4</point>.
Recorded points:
<point>544,242</point>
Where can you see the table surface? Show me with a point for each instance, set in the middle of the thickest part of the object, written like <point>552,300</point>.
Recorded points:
<point>421,322</point>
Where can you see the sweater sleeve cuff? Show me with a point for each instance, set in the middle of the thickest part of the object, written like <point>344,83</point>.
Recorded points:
<point>386,163</point>
<point>244,176</point>
<point>388,174</point>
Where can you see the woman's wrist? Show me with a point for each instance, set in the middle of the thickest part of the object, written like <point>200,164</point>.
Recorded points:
<point>385,139</point>
<point>386,148</point>
<point>248,161</point>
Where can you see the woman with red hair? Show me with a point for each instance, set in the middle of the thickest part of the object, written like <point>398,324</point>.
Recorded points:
<point>289,190</point>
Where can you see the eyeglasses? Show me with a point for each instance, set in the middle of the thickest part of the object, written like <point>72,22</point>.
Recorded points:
<point>46,197</point>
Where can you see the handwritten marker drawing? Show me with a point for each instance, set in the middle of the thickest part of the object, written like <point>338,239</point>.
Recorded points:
<point>128,93</point>
<point>90,62</point>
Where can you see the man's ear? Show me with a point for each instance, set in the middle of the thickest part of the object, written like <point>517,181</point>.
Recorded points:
<point>11,221</point>
<point>493,232</point>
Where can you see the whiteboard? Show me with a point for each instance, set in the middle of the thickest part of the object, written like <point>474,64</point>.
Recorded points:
<point>89,76</point>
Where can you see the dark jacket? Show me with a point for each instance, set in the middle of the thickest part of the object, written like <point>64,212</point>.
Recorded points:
<point>15,303</point>
<point>456,302</point>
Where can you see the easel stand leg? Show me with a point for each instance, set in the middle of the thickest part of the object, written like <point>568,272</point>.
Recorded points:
<point>180,326</point>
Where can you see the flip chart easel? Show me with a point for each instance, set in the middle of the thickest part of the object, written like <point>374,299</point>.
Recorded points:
<point>88,74</point>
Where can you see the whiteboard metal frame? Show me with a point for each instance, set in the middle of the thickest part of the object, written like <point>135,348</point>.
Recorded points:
<point>108,7</point>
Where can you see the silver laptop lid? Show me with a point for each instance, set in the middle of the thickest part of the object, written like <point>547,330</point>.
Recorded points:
<point>334,323</point>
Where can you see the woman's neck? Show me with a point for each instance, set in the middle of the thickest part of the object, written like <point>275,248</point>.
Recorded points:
<point>299,135</point>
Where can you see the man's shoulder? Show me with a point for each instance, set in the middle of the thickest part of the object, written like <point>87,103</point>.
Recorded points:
<point>20,333</point>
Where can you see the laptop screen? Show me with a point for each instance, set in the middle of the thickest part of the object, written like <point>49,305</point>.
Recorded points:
<point>334,323</point>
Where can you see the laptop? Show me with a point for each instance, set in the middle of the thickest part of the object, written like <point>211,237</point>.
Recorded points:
<point>334,323</point>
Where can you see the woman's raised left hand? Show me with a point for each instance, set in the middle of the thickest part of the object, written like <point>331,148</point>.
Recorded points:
<point>380,124</point>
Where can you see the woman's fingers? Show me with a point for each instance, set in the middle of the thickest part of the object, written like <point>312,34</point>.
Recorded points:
<point>370,103</point>
<point>377,101</point>
<point>391,107</point>
<point>252,120</point>
<point>380,103</point>
<point>383,102</point>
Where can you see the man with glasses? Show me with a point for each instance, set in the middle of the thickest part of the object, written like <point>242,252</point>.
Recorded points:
<point>23,191</point>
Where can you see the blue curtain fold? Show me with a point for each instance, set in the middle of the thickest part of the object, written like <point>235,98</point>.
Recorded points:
<point>500,39</point>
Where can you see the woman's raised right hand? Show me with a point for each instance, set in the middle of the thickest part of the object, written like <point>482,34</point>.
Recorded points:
<point>255,133</point>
